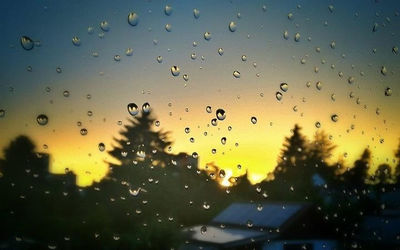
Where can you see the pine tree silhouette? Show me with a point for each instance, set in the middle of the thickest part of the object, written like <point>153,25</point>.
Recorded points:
<point>294,151</point>
<point>357,175</point>
<point>141,144</point>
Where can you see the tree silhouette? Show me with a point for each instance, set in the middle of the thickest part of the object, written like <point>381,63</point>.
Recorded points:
<point>383,174</point>
<point>357,175</point>
<point>397,168</point>
<point>293,152</point>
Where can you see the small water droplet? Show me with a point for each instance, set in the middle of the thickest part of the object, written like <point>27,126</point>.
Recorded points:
<point>146,108</point>
<point>232,26</point>
<point>286,35</point>
<point>334,118</point>
<point>318,85</point>
<point>254,120</point>
<point>2,113</point>
<point>244,58</point>
<point>278,96</point>
<point>290,16</point>
<point>102,147</point>
<point>395,50</point>
<point>168,10</point>
<point>105,26</point>
<point>168,27</point>
<point>223,140</point>
<point>207,36</point>
<point>236,74</point>
<point>297,37</point>
<point>129,52</point>
<point>388,91</point>
<point>133,109</point>
<point>187,130</point>
<point>117,58</point>
<point>383,70</point>
<point>284,86</point>
<point>333,45</point>
<point>196,13</point>
<point>42,119</point>
<point>375,27</point>
<point>159,59</point>
<point>175,71</point>
<point>221,115</point>
<point>318,124</point>
<point>195,155</point>
<point>220,51</point>
<point>26,43</point>
<point>76,41</point>
<point>133,18</point>
<point>203,230</point>
<point>84,131</point>
<point>214,121</point>
<point>351,79</point>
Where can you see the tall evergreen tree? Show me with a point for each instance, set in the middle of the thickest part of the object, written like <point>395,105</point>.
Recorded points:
<point>357,175</point>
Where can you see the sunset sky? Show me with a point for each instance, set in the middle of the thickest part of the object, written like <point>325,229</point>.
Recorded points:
<point>270,60</point>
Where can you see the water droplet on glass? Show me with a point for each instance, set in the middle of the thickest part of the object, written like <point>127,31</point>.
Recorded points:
<point>232,26</point>
<point>286,35</point>
<point>84,131</point>
<point>133,18</point>
<point>195,155</point>
<point>196,13</point>
<point>2,113</point>
<point>375,27</point>
<point>297,37</point>
<point>290,16</point>
<point>105,26</point>
<point>207,36</point>
<point>259,207</point>
<point>208,109</point>
<point>76,41</point>
<point>253,119</point>
<point>383,70</point>
<point>58,70</point>
<point>236,74</point>
<point>168,10</point>
<point>203,230</point>
<point>26,43</point>
<point>221,115</point>
<point>102,147</point>
<point>318,85</point>
<point>42,119</point>
<point>187,130</point>
<point>351,80</point>
<point>175,70</point>
<point>333,44</point>
<point>284,86</point>
<point>244,58</point>
<point>278,96</point>
<point>395,50</point>
<point>168,27</point>
<point>129,52</point>
<point>133,109</point>
<point>333,97</point>
<point>146,108</point>
<point>193,56</point>
<point>214,121</point>
<point>159,59</point>
<point>334,118</point>
<point>223,140</point>
<point>318,124</point>
<point>388,92</point>
<point>331,8</point>
<point>220,51</point>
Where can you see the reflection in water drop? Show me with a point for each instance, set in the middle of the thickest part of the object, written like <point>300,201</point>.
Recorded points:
<point>26,43</point>
<point>133,19</point>
<point>207,36</point>
<point>2,113</point>
<point>168,27</point>
<point>318,85</point>
<point>168,10</point>
<point>76,41</point>
<point>66,93</point>
<point>84,131</point>
<point>221,115</point>
<point>102,147</point>
<point>334,118</point>
<point>388,91</point>
<point>223,140</point>
<point>284,86</point>
<point>220,51</point>
<point>42,119</point>
<point>383,70</point>
<point>236,74</point>
<point>232,26</point>
<point>105,26</point>
<point>208,109</point>
<point>146,108</point>
<point>214,121</point>
<point>278,96</point>
<point>286,35</point>
<point>297,37</point>
<point>196,13</point>
<point>129,52</point>
<point>133,109</point>
<point>254,120</point>
<point>175,70</point>
<point>159,59</point>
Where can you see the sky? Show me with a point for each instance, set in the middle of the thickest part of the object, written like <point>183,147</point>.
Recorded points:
<point>90,68</point>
